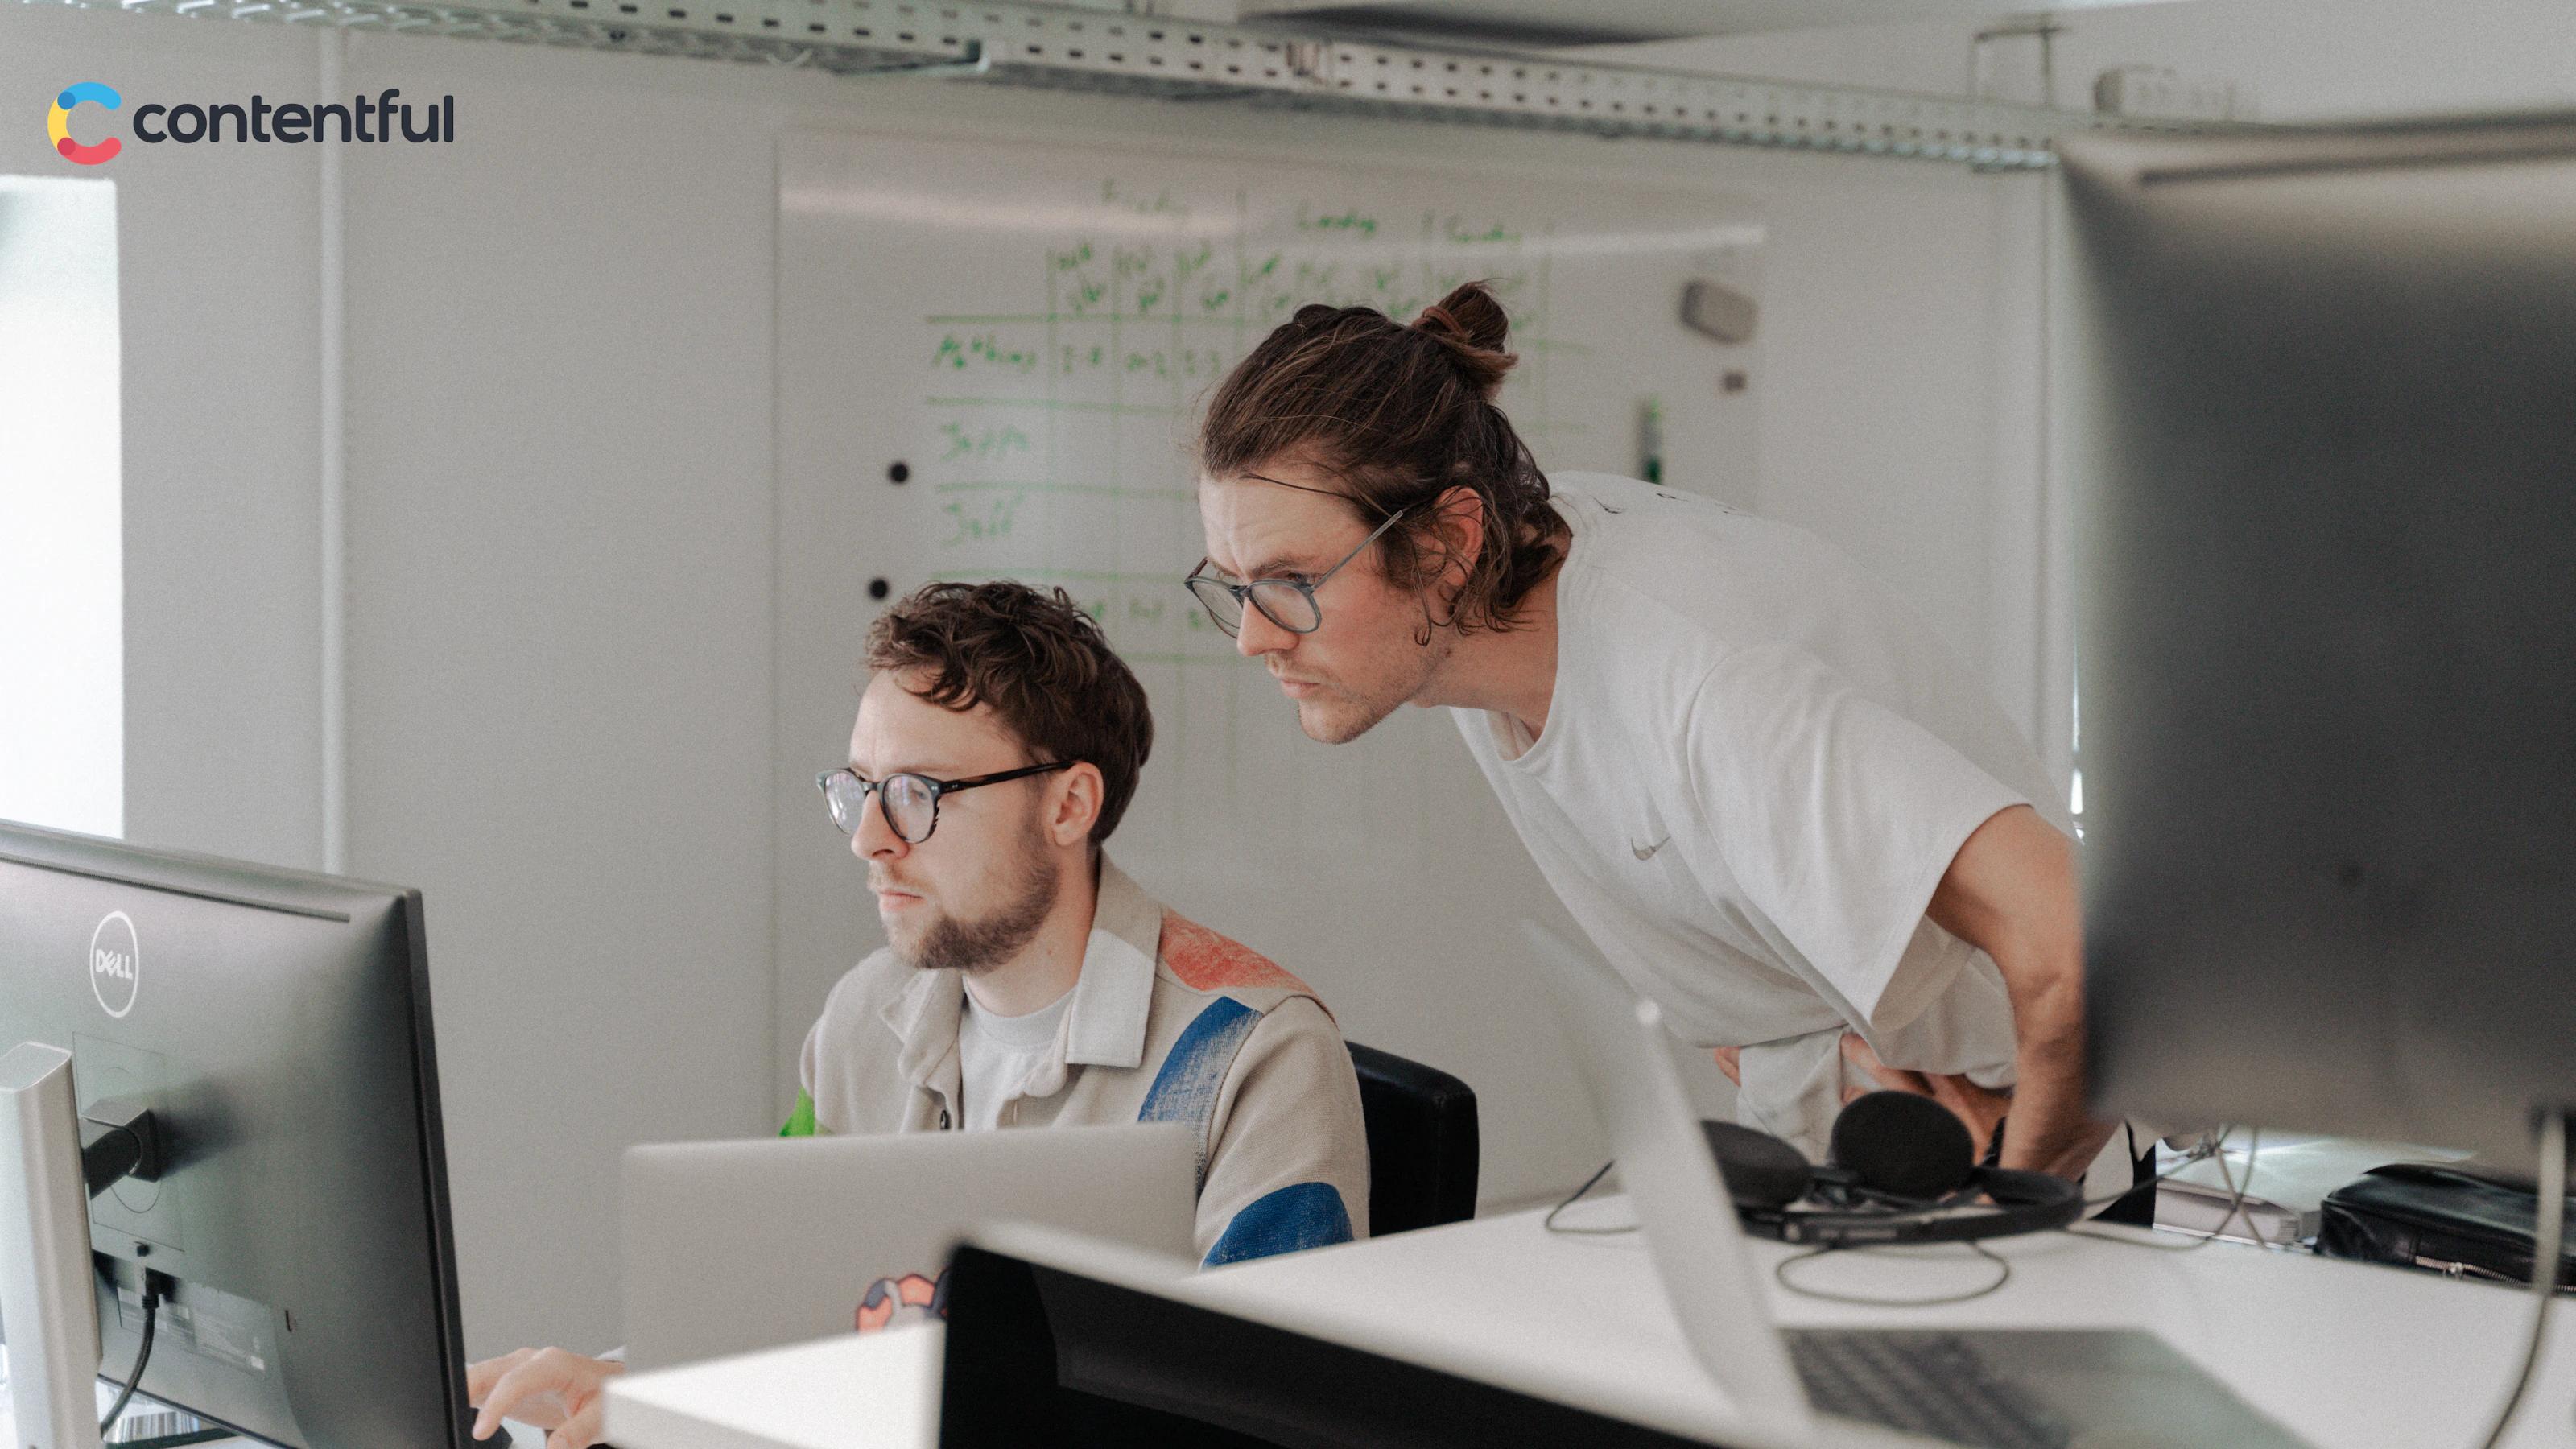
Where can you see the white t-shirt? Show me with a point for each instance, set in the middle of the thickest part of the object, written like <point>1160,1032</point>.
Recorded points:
<point>995,1055</point>
<point>1756,767</point>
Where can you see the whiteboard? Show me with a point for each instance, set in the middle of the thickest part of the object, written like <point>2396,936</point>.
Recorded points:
<point>1024,335</point>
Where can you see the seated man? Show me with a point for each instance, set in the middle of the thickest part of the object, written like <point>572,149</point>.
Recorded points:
<point>1027,981</point>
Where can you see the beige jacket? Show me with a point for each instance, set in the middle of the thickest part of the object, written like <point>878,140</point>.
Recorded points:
<point>1169,1022</point>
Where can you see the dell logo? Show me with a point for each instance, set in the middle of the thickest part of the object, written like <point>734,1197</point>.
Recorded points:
<point>115,964</point>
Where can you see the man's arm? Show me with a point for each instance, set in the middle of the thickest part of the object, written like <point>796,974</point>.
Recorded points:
<point>1288,1166</point>
<point>2011,892</point>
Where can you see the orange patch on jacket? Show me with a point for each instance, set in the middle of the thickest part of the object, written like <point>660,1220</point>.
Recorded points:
<point>1206,961</point>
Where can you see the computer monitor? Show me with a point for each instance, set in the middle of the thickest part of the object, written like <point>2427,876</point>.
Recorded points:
<point>2319,394</point>
<point>277,1026</point>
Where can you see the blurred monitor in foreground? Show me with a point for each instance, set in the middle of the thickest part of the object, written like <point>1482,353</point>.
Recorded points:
<point>276,1026</point>
<point>2319,393</point>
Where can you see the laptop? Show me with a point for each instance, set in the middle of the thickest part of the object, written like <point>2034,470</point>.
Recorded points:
<point>1990,1388</point>
<point>737,1246</point>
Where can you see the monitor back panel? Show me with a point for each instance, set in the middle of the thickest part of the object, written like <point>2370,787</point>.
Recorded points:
<point>2319,396</point>
<point>277,1025</point>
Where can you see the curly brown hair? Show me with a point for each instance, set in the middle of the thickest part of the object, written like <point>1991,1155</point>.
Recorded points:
<point>1040,662</point>
<point>1400,413</point>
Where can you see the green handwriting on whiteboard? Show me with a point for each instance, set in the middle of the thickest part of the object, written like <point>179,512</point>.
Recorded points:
<point>1188,362</point>
<point>1458,230</point>
<point>987,350</point>
<point>1159,203</point>
<point>981,440</point>
<point>1311,218</point>
<point>1183,362</point>
<point>1312,278</point>
<point>980,520</point>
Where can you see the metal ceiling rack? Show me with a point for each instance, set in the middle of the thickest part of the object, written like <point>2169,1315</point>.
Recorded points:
<point>1075,49</point>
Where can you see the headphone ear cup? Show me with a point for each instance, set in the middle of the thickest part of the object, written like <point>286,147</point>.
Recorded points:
<point>2042,1200</point>
<point>1762,1172</point>
<point>1904,1145</point>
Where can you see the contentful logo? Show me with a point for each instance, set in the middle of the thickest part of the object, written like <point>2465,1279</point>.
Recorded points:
<point>258,123</point>
<point>58,124</point>
<point>115,964</point>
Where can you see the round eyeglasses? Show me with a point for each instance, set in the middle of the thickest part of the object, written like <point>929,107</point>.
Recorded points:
<point>909,802</point>
<point>1288,603</point>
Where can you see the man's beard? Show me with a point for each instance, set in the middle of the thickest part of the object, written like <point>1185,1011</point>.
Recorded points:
<point>1351,719</point>
<point>1354,716</point>
<point>954,945</point>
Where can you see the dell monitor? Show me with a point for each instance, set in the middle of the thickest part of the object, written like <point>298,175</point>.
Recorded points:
<point>275,1025</point>
<point>2318,393</point>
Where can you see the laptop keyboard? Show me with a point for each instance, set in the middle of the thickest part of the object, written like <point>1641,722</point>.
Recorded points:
<point>1923,1383</point>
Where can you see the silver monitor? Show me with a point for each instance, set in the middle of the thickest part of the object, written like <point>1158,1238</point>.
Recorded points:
<point>2319,401</point>
<point>277,1027</point>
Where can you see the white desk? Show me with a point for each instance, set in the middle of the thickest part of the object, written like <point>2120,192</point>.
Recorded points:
<point>2348,1356</point>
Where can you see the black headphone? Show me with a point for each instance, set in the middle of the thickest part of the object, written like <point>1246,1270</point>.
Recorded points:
<point>1903,1170</point>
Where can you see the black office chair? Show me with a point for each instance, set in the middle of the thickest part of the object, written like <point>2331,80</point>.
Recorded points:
<point>1422,1143</point>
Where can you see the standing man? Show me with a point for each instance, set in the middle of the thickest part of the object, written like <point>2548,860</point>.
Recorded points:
<point>1776,802</point>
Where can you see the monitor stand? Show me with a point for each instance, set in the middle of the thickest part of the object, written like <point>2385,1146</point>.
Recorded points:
<point>48,1305</point>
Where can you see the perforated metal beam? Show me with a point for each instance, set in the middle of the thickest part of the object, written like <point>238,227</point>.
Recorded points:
<point>1044,46</point>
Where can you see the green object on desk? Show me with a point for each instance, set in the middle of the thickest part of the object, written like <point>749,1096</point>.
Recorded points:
<point>800,1123</point>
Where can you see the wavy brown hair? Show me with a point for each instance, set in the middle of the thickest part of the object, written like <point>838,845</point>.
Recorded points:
<point>1040,662</point>
<point>1400,414</point>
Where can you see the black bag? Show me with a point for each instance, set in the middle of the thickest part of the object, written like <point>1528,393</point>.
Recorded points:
<point>2448,1219</point>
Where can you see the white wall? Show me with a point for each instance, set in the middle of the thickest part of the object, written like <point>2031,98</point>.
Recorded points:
<point>559,614</point>
<point>558,525</point>
<point>62,588</point>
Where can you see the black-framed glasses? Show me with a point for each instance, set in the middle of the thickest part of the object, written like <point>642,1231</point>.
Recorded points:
<point>1288,603</point>
<point>909,802</point>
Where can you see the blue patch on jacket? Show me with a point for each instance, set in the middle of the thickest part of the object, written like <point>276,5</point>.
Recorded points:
<point>1300,1215</point>
<point>1185,1089</point>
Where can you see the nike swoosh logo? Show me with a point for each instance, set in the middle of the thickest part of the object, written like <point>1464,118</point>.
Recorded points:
<point>1647,852</point>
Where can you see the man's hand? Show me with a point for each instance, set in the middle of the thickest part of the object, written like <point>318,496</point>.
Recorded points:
<point>2010,892</point>
<point>546,1387</point>
<point>1979,1108</point>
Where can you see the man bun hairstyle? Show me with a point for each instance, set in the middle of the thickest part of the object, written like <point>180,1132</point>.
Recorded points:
<point>1041,663</point>
<point>1400,413</point>
<point>1469,322</point>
